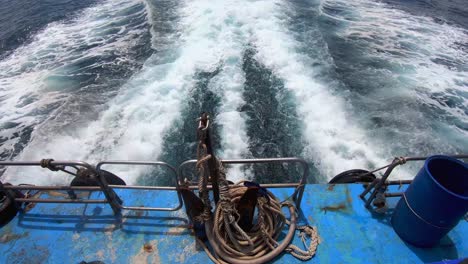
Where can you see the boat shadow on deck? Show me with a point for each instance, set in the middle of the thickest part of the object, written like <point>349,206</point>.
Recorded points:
<point>130,222</point>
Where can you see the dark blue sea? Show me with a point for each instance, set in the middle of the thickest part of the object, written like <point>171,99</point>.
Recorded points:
<point>342,84</point>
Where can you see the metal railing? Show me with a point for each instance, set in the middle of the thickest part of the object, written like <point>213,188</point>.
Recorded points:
<point>299,186</point>
<point>379,185</point>
<point>165,188</point>
<point>111,198</point>
<point>114,200</point>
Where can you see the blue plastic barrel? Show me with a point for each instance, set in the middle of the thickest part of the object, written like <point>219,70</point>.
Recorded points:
<point>433,203</point>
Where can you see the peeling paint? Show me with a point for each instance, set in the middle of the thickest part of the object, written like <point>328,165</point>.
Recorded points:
<point>187,252</point>
<point>178,230</point>
<point>76,236</point>
<point>111,249</point>
<point>100,254</point>
<point>110,228</point>
<point>33,254</point>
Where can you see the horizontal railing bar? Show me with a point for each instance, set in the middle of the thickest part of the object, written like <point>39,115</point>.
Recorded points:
<point>398,182</point>
<point>250,161</point>
<point>269,185</point>
<point>398,194</point>
<point>461,156</point>
<point>142,187</point>
<point>54,188</point>
<point>261,160</point>
<point>33,200</point>
<point>53,163</point>
<point>132,162</point>
<point>142,208</point>
<point>138,187</point>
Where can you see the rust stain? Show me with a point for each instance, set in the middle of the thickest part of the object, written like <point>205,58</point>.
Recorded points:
<point>334,208</point>
<point>9,237</point>
<point>56,194</point>
<point>29,207</point>
<point>330,187</point>
<point>148,248</point>
<point>149,253</point>
<point>79,194</point>
<point>348,196</point>
<point>140,213</point>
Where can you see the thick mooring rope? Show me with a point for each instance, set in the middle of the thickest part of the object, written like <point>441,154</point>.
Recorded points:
<point>311,249</point>
<point>229,241</point>
<point>256,246</point>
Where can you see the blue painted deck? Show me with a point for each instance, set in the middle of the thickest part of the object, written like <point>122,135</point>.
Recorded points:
<point>71,233</point>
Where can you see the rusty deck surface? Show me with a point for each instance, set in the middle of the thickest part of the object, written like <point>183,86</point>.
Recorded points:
<point>72,233</point>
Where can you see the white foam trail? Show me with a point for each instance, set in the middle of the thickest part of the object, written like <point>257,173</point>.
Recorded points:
<point>234,139</point>
<point>228,84</point>
<point>28,87</point>
<point>133,126</point>
<point>136,120</point>
<point>335,142</point>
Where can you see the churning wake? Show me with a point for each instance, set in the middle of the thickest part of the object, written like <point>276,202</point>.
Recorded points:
<point>343,85</point>
<point>408,75</point>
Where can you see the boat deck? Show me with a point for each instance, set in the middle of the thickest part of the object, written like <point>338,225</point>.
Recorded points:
<point>72,233</point>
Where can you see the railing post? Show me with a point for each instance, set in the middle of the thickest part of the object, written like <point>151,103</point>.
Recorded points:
<point>302,184</point>
<point>114,201</point>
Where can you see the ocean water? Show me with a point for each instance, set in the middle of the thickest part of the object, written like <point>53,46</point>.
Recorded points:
<point>342,84</point>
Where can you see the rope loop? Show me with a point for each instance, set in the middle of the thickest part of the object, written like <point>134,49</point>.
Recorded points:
<point>401,160</point>
<point>309,252</point>
<point>46,163</point>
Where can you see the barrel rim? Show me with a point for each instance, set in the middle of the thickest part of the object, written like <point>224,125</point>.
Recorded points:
<point>426,163</point>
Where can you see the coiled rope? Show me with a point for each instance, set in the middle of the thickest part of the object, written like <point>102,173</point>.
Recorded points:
<point>229,241</point>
